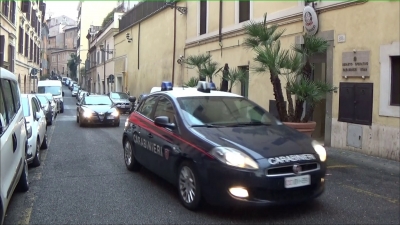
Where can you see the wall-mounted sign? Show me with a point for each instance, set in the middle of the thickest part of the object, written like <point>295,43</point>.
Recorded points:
<point>310,20</point>
<point>356,64</point>
<point>341,38</point>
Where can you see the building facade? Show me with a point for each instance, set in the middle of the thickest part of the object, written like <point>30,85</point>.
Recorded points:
<point>89,13</point>
<point>101,52</point>
<point>60,48</point>
<point>45,65</point>
<point>27,42</point>
<point>216,28</point>
<point>8,34</point>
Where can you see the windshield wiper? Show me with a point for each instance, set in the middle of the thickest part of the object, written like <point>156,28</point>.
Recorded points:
<point>207,125</point>
<point>249,124</point>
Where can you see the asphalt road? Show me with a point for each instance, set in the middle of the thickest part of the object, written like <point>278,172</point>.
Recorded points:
<point>83,180</point>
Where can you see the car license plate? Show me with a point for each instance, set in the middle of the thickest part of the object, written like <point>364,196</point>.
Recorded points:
<point>110,117</point>
<point>122,106</point>
<point>298,181</point>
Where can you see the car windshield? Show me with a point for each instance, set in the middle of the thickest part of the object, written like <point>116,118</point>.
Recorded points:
<point>97,100</point>
<point>25,106</point>
<point>75,88</point>
<point>119,96</point>
<point>223,111</point>
<point>43,99</point>
<point>54,90</point>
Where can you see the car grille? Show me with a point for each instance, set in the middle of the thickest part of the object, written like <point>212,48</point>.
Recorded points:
<point>288,170</point>
<point>294,194</point>
<point>120,104</point>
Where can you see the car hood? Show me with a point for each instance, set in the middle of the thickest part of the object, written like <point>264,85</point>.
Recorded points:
<point>259,141</point>
<point>98,108</point>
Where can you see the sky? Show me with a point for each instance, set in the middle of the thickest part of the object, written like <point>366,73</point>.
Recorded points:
<point>59,8</point>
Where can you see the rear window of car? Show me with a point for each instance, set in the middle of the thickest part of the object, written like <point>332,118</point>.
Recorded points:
<point>25,106</point>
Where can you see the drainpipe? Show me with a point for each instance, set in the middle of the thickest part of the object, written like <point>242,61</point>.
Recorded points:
<point>174,48</point>
<point>220,25</point>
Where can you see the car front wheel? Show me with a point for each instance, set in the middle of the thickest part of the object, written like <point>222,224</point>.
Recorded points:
<point>189,186</point>
<point>129,156</point>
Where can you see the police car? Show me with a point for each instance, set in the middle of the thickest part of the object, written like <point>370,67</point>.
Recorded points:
<point>223,148</point>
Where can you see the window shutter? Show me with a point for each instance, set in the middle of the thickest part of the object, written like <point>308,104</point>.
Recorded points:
<point>363,103</point>
<point>244,11</point>
<point>13,6</point>
<point>2,40</point>
<point>203,17</point>
<point>6,8</point>
<point>346,102</point>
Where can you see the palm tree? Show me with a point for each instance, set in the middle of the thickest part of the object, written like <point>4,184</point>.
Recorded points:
<point>234,76</point>
<point>192,82</point>
<point>198,62</point>
<point>294,65</point>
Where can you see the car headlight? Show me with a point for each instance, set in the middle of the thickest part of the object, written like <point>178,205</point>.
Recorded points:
<point>87,113</point>
<point>234,157</point>
<point>28,130</point>
<point>320,150</point>
<point>115,113</point>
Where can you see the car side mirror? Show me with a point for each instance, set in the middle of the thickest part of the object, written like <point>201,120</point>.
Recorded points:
<point>37,117</point>
<point>2,122</point>
<point>163,121</point>
<point>63,94</point>
<point>132,99</point>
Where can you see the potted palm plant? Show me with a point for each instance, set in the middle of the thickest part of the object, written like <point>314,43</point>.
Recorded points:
<point>205,66</point>
<point>294,66</point>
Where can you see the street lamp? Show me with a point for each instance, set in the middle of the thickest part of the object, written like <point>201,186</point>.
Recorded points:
<point>104,61</point>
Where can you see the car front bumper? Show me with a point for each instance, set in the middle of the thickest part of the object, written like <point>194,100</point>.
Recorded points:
<point>97,121</point>
<point>262,190</point>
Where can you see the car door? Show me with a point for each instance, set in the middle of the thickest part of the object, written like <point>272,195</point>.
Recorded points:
<point>165,139</point>
<point>143,133</point>
<point>11,158</point>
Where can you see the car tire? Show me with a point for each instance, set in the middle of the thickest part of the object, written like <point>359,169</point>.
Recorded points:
<point>116,124</point>
<point>62,108</point>
<point>36,160</point>
<point>188,178</point>
<point>81,123</point>
<point>77,119</point>
<point>23,183</point>
<point>129,157</point>
<point>44,143</point>
<point>50,122</point>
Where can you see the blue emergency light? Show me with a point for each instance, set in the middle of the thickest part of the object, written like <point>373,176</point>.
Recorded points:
<point>166,86</point>
<point>205,87</point>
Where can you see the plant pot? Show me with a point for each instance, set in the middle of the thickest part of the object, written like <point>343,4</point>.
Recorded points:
<point>306,128</point>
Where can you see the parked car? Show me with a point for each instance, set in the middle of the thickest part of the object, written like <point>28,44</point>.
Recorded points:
<point>97,109</point>
<point>36,124</point>
<point>81,94</point>
<point>74,91</point>
<point>121,101</point>
<point>54,87</point>
<point>49,108</point>
<point>13,141</point>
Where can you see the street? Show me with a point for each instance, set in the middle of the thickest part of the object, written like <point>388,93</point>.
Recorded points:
<point>83,180</point>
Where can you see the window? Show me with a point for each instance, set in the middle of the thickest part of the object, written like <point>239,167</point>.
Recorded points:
<point>11,57</point>
<point>107,51</point>
<point>5,8</point>
<point>3,108</point>
<point>203,17</point>
<point>31,50</point>
<point>26,45</point>
<point>2,43</point>
<point>244,10</point>
<point>395,81</point>
<point>165,108</point>
<point>21,40</point>
<point>355,103</point>
<point>53,58</point>
<point>8,99</point>
<point>12,12</point>
<point>147,106</point>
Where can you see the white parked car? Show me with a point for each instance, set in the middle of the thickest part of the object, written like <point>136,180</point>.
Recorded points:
<point>13,141</point>
<point>36,125</point>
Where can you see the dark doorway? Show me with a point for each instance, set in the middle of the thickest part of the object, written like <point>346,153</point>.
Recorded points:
<point>244,85</point>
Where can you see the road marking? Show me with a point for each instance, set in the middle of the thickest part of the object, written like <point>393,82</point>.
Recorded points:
<point>371,194</point>
<point>26,215</point>
<point>341,166</point>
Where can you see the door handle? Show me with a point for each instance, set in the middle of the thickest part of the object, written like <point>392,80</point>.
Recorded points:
<point>150,135</point>
<point>14,142</point>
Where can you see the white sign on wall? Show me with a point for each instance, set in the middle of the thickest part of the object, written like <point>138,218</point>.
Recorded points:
<point>310,20</point>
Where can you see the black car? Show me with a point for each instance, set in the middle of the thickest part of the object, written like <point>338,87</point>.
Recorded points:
<point>97,109</point>
<point>47,108</point>
<point>121,100</point>
<point>223,148</point>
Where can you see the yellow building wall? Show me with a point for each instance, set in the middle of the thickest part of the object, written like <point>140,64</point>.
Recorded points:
<point>155,52</point>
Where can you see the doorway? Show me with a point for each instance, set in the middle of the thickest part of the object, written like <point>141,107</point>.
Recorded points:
<point>319,74</point>
<point>244,84</point>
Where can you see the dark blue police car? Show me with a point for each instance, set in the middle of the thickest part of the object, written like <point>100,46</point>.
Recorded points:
<point>223,148</point>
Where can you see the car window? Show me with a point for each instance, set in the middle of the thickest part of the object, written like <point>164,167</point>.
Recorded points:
<point>3,108</point>
<point>37,104</point>
<point>34,109</point>
<point>54,90</point>
<point>8,99</point>
<point>16,97</point>
<point>147,107</point>
<point>222,110</point>
<point>165,108</point>
<point>25,106</point>
<point>43,99</point>
<point>97,100</point>
<point>119,96</point>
